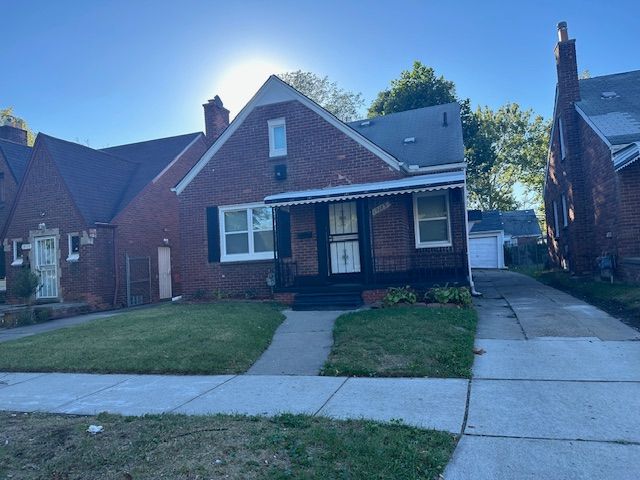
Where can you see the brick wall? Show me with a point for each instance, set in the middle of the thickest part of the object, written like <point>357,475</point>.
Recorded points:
<point>318,155</point>
<point>151,217</point>
<point>10,191</point>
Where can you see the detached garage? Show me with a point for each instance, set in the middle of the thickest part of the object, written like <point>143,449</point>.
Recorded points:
<point>486,241</point>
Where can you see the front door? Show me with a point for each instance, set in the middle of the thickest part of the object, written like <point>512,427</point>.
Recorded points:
<point>46,266</point>
<point>344,241</point>
<point>164,272</point>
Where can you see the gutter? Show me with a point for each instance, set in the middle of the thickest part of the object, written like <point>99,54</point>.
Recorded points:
<point>466,228</point>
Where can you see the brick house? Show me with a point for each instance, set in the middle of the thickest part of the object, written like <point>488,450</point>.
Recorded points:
<point>101,226</point>
<point>591,185</point>
<point>292,199</point>
<point>14,155</point>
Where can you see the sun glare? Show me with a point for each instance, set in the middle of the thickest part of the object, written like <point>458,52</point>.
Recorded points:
<point>238,83</point>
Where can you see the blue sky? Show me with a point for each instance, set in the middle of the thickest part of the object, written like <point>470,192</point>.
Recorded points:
<point>111,72</point>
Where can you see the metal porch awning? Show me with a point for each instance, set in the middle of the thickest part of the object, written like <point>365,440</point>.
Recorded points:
<point>418,183</point>
<point>626,156</point>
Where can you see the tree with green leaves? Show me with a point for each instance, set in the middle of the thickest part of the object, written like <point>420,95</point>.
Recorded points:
<point>8,112</point>
<point>344,104</point>
<point>502,147</point>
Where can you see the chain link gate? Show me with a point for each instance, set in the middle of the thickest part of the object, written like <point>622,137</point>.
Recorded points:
<point>138,280</point>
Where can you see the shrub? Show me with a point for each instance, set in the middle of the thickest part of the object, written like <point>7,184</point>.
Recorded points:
<point>398,295</point>
<point>456,295</point>
<point>25,284</point>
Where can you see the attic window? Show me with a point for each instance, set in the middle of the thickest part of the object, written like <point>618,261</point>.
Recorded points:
<point>608,95</point>
<point>366,123</point>
<point>410,140</point>
<point>277,137</point>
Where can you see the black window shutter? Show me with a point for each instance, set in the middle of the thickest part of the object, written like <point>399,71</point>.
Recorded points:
<point>283,231</point>
<point>213,235</point>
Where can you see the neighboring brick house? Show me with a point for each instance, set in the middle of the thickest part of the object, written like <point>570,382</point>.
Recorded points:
<point>101,226</point>
<point>291,198</point>
<point>591,191</point>
<point>14,155</point>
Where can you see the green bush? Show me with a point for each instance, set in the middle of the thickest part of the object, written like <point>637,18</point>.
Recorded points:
<point>398,295</point>
<point>25,284</point>
<point>456,295</point>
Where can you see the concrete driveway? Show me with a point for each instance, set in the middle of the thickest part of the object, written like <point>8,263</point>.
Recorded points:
<point>556,393</point>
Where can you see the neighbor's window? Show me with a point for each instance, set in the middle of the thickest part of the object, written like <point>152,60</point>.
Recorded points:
<point>74,247</point>
<point>17,253</point>
<point>246,233</point>
<point>556,221</point>
<point>432,220</point>
<point>563,151</point>
<point>565,211</point>
<point>277,137</point>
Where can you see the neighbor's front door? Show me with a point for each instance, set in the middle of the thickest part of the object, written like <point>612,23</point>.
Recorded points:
<point>344,241</point>
<point>46,266</point>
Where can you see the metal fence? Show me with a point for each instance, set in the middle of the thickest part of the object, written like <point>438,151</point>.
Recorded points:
<point>533,254</point>
<point>138,280</point>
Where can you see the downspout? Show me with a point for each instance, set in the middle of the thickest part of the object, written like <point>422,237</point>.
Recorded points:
<point>466,228</point>
<point>116,274</point>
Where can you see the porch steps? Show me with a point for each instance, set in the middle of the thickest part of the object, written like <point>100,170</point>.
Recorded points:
<point>345,300</point>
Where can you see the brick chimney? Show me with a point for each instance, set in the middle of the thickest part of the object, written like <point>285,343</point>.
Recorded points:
<point>216,118</point>
<point>567,66</point>
<point>11,129</point>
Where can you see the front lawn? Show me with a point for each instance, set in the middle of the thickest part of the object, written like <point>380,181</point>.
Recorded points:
<point>411,341</point>
<point>218,338</point>
<point>621,300</point>
<point>181,447</point>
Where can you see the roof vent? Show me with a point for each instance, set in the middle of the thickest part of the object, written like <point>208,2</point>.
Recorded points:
<point>410,140</point>
<point>608,95</point>
<point>366,123</point>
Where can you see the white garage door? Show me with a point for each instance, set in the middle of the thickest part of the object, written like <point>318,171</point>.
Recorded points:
<point>484,252</point>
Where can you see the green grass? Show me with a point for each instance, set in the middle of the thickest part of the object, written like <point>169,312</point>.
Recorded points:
<point>180,447</point>
<point>218,338</point>
<point>621,300</point>
<point>404,342</point>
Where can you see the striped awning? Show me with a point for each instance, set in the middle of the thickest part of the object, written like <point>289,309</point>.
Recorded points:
<point>418,183</point>
<point>626,156</point>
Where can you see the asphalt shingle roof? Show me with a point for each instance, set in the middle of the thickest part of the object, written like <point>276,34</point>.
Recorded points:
<point>435,143</point>
<point>17,156</point>
<point>152,157</point>
<point>616,113</point>
<point>517,223</point>
<point>103,182</point>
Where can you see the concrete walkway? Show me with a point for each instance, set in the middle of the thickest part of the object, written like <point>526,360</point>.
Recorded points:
<point>425,403</point>
<point>557,391</point>
<point>300,345</point>
<point>8,334</point>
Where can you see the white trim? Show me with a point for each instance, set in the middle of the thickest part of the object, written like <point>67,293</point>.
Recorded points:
<point>468,230</point>
<point>286,93</point>
<point>593,126</point>
<point>415,170</point>
<point>416,221</point>
<point>17,262</point>
<point>172,163</point>
<point>72,257</point>
<point>241,257</point>
<point>273,124</point>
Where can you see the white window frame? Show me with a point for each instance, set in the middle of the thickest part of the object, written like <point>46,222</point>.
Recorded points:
<point>273,151</point>
<point>242,257</point>
<point>565,211</point>
<point>72,257</point>
<point>563,150</point>
<point>17,261</point>
<point>416,222</point>
<point>556,221</point>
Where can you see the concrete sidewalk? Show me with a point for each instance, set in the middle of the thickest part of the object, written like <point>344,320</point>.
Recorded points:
<point>300,345</point>
<point>556,392</point>
<point>425,403</point>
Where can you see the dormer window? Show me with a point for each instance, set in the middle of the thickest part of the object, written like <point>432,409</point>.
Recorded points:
<point>277,137</point>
